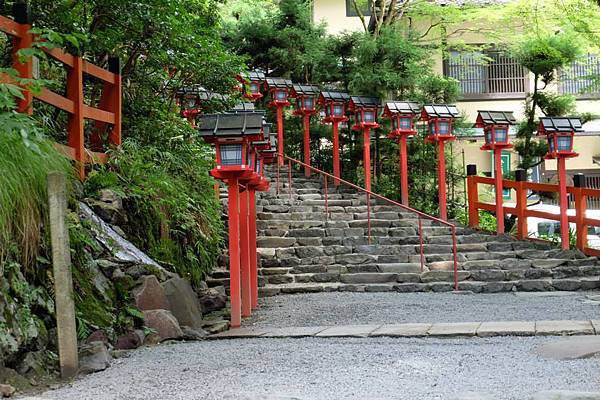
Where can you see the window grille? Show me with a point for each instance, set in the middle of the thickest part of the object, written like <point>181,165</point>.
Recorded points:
<point>487,74</point>
<point>351,11</point>
<point>577,78</point>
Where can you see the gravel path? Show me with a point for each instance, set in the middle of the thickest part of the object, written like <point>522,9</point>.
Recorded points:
<point>323,309</point>
<point>314,369</point>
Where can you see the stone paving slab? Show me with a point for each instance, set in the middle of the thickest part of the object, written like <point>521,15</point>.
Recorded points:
<point>295,332</point>
<point>572,348</point>
<point>450,329</point>
<point>402,330</point>
<point>563,328</point>
<point>348,331</point>
<point>461,329</point>
<point>506,328</point>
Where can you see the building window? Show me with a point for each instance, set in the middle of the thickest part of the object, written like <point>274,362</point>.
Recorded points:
<point>578,79</point>
<point>486,74</point>
<point>365,6</point>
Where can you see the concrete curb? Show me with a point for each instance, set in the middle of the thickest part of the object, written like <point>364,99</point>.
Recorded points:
<point>438,330</point>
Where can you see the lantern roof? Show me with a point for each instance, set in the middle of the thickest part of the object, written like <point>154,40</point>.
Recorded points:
<point>224,125</point>
<point>255,76</point>
<point>559,125</point>
<point>401,107</point>
<point>304,90</point>
<point>439,111</point>
<point>338,97</point>
<point>244,107</point>
<point>494,118</point>
<point>278,83</point>
<point>363,102</point>
<point>201,92</point>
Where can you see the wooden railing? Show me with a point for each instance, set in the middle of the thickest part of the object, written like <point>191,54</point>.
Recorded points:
<point>520,210</point>
<point>107,115</point>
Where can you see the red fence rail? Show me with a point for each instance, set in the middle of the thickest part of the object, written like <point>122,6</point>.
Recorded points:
<point>369,194</point>
<point>107,115</point>
<point>580,195</point>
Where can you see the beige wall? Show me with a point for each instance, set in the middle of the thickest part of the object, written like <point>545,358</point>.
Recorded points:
<point>587,146</point>
<point>333,13</point>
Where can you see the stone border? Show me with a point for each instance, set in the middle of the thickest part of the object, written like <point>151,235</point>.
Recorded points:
<point>438,330</point>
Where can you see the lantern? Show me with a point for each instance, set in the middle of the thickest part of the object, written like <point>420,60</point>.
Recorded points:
<point>306,99</point>
<point>402,116</point>
<point>439,118</point>
<point>365,111</point>
<point>251,84</point>
<point>333,105</point>
<point>496,127</point>
<point>560,132</point>
<point>279,90</point>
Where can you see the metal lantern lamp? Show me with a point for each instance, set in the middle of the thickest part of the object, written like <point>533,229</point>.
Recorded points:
<point>402,115</point>
<point>252,84</point>
<point>279,89</point>
<point>365,111</point>
<point>333,106</point>
<point>439,119</point>
<point>560,132</point>
<point>306,102</point>
<point>496,127</point>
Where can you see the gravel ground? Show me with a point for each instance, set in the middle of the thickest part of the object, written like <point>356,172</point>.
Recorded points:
<point>320,309</point>
<point>314,369</point>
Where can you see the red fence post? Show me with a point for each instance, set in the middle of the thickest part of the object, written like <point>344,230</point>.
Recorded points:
<point>472,196</point>
<point>442,201</point>
<point>521,206</point>
<point>75,126</point>
<point>580,211</point>
<point>234,254</point>
<point>23,41</point>
<point>280,133</point>
<point>110,100</point>
<point>245,256</point>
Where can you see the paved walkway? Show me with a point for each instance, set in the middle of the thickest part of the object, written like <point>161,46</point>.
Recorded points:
<point>439,330</point>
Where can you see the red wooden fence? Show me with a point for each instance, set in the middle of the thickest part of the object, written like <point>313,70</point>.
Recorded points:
<point>107,115</point>
<point>521,212</point>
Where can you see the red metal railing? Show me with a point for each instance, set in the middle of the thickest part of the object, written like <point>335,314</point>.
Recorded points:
<point>370,194</point>
<point>582,222</point>
<point>108,112</point>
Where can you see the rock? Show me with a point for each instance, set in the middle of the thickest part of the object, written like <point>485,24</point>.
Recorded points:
<point>150,295</point>
<point>97,336</point>
<point>193,334</point>
<point>565,395</point>
<point>216,326</point>
<point>93,357</point>
<point>34,362</point>
<point>275,242</point>
<point>212,299</point>
<point>571,349</point>
<point>107,267</point>
<point>129,341</point>
<point>534,285</point>
<point>7,391</point>
<point>441,266</point>
<point>137,271</point>
<point>163,323</point>
<point>183,301</point>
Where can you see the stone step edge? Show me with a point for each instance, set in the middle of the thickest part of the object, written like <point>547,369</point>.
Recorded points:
<point>423,330</point>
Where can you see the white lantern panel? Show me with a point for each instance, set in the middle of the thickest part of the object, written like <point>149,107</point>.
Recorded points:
<point>231,154</point>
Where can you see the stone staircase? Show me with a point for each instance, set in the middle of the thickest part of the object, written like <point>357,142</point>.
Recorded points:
<point>304,249</point>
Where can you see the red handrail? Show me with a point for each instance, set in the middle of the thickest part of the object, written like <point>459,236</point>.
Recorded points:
<point>380,197</point>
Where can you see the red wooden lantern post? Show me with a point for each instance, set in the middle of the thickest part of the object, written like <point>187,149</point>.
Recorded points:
<point>559,132</point>
<point>279,90</point>
<point>306,105</point>
<point>252,84</point>
<point>496,125</point>
<point>232,135</point>
<point>333,104</point>
<point>402,115</point>
<point>439,118</point>
<point>365,118</point>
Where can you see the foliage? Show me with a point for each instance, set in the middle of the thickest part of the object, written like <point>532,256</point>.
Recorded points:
<point>169,197</point>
